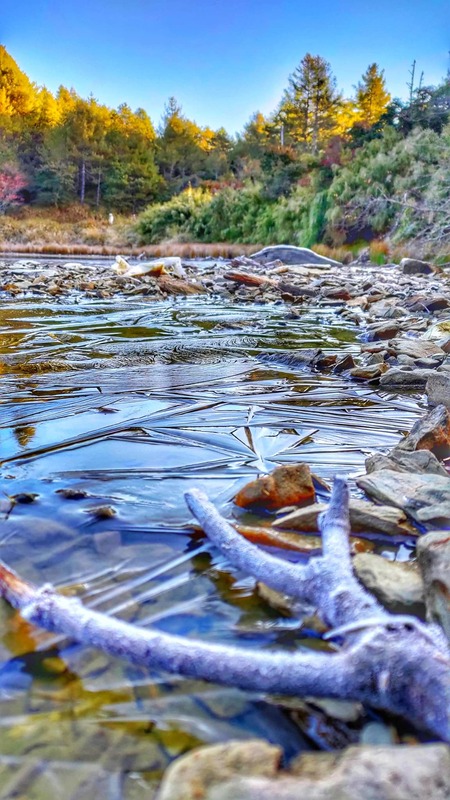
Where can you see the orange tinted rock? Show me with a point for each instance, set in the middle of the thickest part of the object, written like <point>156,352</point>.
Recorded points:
<point>431,432</point>
<point>285,486</point>
<point>249,279</point>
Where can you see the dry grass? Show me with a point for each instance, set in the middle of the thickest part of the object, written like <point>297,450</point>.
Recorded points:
<point>79,231</point>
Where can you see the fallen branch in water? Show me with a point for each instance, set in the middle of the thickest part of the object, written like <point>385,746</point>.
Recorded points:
<point>394,663</point>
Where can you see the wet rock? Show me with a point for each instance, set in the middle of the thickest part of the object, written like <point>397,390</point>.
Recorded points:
<point>325,362</point>
<point>365,517</point>
<point>438,389</point>
<point>397,378</point>
<point>286,485</point>
<point>406,461</point>
<point>102,512</point>
<point>308,357</point>
<point>433,553</point>
<point>413,266</point>
<point>424,497</point>
<point>344,363</point>
<point>292,255</point>
<point>398,585</point>
<point>369,772</point>
<point>431,432</point>
<point>193,775</point>
<point>382,330</point>
<point>369,373</point>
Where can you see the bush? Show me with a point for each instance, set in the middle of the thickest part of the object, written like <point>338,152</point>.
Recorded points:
<point>168,220</point>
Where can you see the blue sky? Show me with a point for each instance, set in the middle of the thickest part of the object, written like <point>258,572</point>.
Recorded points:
<point>221,59</point>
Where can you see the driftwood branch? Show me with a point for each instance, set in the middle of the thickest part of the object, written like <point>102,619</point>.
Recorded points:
<point>394,663</point>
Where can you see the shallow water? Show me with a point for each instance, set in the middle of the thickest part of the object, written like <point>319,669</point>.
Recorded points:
<point>131,403</point>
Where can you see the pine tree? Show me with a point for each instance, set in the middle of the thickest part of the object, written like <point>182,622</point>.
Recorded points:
<point>372,99</point>
<point>311,102</point>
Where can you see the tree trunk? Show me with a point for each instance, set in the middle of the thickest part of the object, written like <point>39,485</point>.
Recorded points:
<point>82,180</point>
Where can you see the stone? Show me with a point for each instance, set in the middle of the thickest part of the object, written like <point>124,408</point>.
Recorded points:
<point>382,330</point>
<point>433,553</point>
<point>337,293</point>
<point>178,286</point>
<point>398,585</point>
<point>430,303</point>
<point>300,358</point>
<point>369,373</point>
<point>191,776</point>
<point>287,485</point>
<point>438,389</point>
<point>397,378</point>
<point>416,348</point>
<point>365,517</point>
<point>431,432</point>
<point>436,331</point>
<point>248,278</point>
<point>406,461</point>
<point>344,363</point>
<point>292,255</point>
<point>413,266</point>
<point>365,772</point>
<point>424,497</point>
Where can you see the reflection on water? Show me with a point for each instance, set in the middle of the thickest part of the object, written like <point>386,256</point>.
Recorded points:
<point>125,405</point>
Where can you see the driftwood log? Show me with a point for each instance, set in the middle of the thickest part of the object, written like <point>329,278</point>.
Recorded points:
<point>391,662</point>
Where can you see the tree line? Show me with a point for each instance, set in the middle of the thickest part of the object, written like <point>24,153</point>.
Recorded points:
<point>57,149</point>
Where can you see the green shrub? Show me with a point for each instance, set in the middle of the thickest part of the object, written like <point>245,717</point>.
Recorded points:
<point>166,220</point>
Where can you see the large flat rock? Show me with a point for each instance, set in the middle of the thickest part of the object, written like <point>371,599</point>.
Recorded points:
<point>292,255</point>
<point>425,497</point>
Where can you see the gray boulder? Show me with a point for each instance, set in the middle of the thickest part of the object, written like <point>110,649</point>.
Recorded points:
<point>413,266</point>
<point>293,255</point>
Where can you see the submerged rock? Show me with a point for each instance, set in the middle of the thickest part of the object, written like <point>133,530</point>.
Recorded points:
<point>433,553</point>
<point>193,775</point>
<point>248,771</point>
<point>364,517</point>
<point>285,486</point>
<point>292,255</point>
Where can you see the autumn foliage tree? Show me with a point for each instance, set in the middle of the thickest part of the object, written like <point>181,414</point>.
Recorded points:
<point>12,182</point>
<point>372,99</point>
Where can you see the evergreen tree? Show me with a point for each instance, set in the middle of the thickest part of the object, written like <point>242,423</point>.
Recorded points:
<point>372,99</point>
<point>311,103</point>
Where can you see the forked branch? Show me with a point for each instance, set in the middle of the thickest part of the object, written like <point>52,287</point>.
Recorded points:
<point>389,662</point>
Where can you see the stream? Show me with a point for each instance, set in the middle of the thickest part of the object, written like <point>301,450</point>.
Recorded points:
<point>109,411</point>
